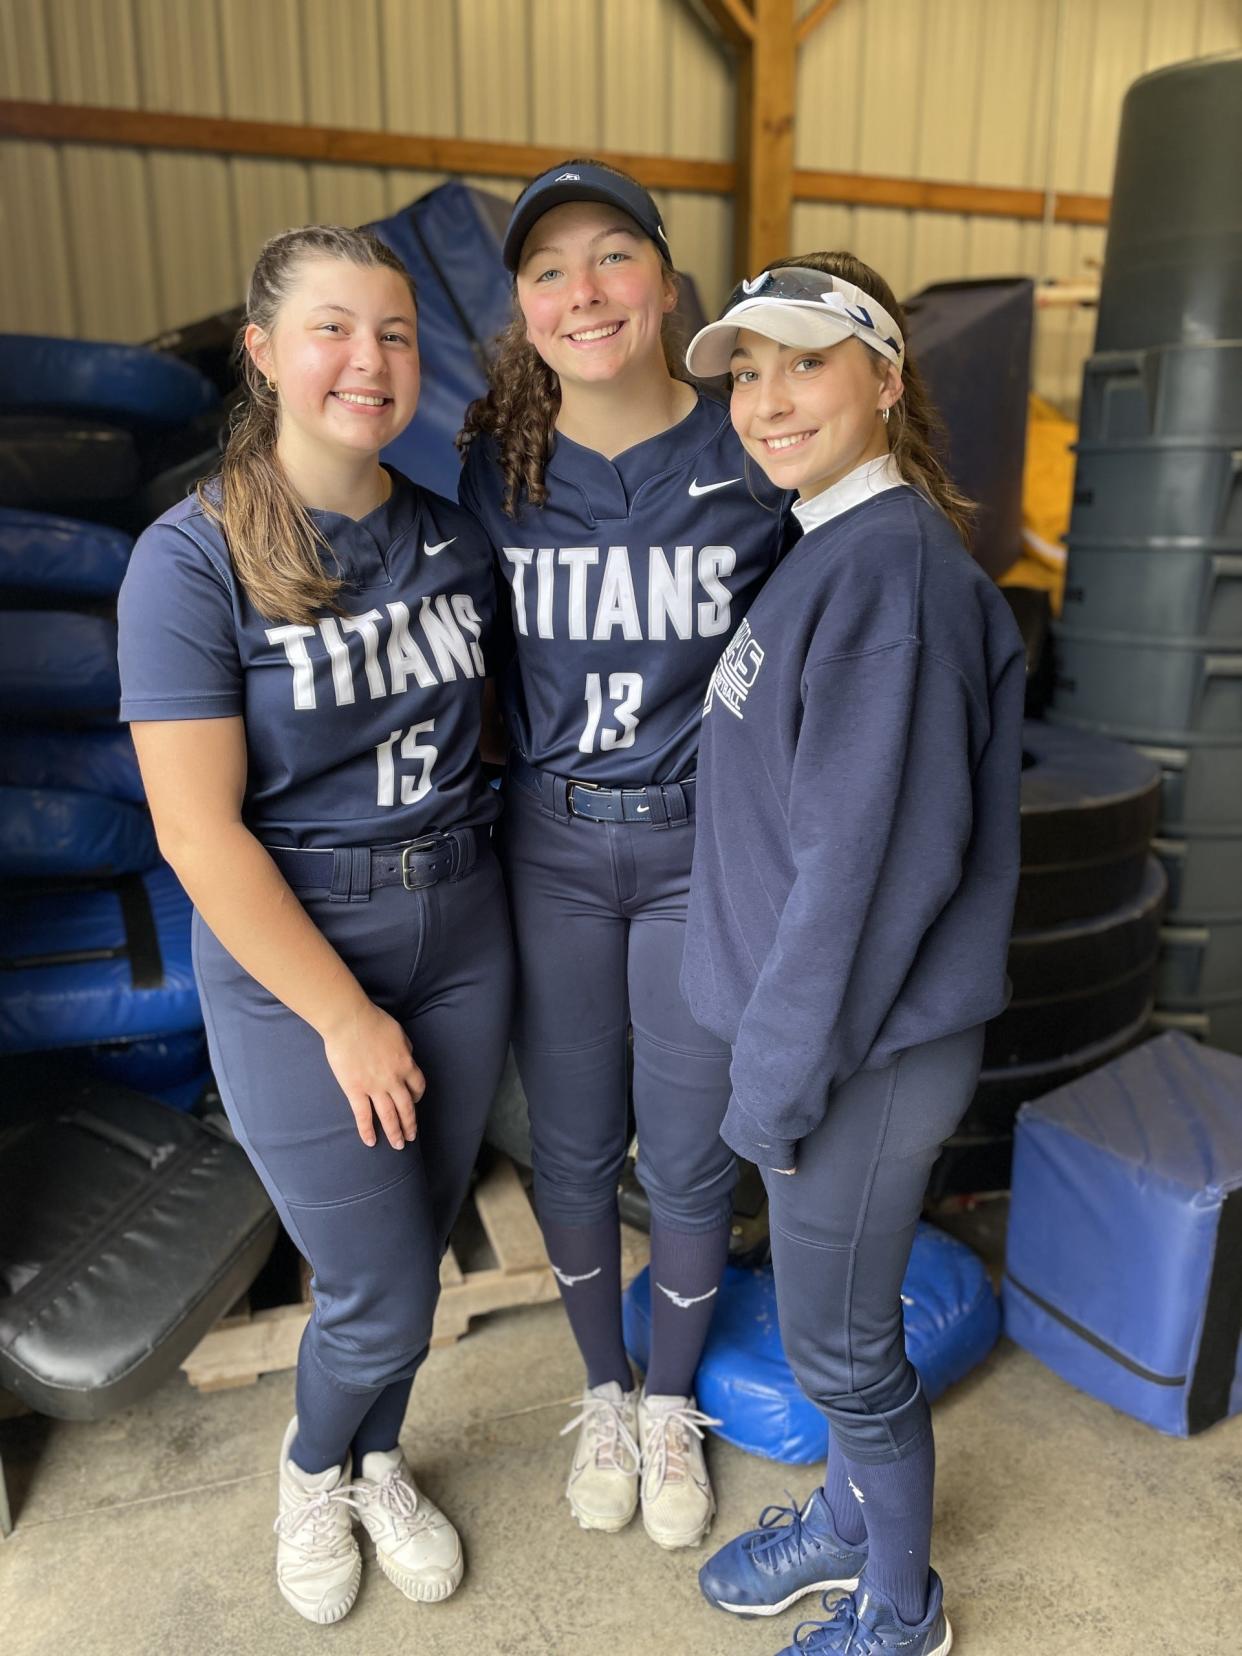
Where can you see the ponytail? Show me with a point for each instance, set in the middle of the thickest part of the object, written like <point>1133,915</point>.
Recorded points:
<point>274,543</point>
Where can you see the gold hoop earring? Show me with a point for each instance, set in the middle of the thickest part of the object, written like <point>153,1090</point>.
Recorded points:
<point>271,385</point>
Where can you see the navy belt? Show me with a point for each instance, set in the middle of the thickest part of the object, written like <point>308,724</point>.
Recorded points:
<point>349,873</point>
<point>658,805</point>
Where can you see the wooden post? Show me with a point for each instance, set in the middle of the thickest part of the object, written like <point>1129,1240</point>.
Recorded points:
<point>767,56</point>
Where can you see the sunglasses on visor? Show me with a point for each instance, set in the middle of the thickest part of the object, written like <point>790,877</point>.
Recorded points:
<point>800,285</point>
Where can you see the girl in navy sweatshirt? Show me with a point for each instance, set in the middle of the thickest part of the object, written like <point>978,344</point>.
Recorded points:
<point>852,894</point>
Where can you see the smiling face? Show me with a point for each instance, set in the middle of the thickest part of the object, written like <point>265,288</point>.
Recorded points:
<point>343,353</point>
<point>810,416</point>
<point>594,292</point>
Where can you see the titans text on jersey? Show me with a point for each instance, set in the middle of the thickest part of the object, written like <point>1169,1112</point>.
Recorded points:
<point>684,596</point>
<point>622,586</point>
<point>385,655</point>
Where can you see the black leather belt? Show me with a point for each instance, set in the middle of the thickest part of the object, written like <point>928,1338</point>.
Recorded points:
<point>347,874</point>
<point>658,805</point>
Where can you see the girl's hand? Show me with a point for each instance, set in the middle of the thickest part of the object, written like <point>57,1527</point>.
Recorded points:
<point>370,1055</point>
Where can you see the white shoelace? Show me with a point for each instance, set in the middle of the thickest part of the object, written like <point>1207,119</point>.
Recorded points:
<point>666,1445</point>
<point>319,1516</point>
<point>400,1500</point>
<point>607,1433</point>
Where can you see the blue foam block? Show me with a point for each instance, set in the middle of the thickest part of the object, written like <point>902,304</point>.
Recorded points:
<point>55,665</point>
<point>124,382</point>
<point>61,556</point>
<point>46,832</point>
<point>1124,1254</point>
<point>67,975</point>
<point>100,761</point>
<point>952,1320</point>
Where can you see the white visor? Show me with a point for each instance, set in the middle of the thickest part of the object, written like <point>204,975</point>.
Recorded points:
<point>794,305</point>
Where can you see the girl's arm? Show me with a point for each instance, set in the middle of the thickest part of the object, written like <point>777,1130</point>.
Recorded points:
<point>194,771</point>
<point>879,816</point>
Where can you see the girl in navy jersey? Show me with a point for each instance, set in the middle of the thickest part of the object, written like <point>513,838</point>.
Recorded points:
<point>630,545</point>
<point>853,889</point>
<point>302,657</point>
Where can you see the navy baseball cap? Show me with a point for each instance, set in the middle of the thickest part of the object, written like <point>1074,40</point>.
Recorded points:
<point>581,181</point>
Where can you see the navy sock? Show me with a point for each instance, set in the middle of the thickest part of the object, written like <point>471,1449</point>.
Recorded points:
<point>587,1263</point>
<point>380,1427</point>
<point>328,1416</point>
<point>897,1506</point>
<point>686,1268</point>
<point>848,1517</point>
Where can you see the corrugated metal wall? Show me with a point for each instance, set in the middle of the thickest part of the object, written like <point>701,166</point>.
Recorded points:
<point>120,244</point>
<point>1015,92</point>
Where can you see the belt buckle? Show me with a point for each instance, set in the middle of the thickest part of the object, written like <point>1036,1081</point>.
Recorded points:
<point>427,843</point>
<point>591,787</point>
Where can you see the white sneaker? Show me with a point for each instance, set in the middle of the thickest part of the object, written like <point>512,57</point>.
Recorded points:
<point>318,1565</point>
<point>678,1503</point>
<point>416,1546</point>
<point>603,1480</point>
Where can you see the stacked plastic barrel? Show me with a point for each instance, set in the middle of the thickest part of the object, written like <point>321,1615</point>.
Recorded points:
<point>1149,648</point>
<point>95,973</point>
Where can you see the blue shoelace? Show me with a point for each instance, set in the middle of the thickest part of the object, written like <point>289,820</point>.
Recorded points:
<point>841,1635</point>
<point>780,1538</point>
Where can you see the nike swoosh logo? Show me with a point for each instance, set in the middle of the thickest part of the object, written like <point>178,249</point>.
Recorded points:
<point>563,1276</point>
<point>681,1300</point>
<point>438,547</point>
<point>697,488</point>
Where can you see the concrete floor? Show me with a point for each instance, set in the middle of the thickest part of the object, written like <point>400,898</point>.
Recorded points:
<point>1063,1528</point>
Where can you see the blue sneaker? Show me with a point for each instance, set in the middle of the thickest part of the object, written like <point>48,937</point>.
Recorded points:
<point>764,1570</point>
<point>867,1624</point>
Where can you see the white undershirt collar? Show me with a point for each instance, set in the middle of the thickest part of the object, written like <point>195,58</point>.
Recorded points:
<point>873,477</point>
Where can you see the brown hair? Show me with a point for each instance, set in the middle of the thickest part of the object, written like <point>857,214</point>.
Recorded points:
<point>274,543</point>
<point>524,396</point>
<point>915,433</point>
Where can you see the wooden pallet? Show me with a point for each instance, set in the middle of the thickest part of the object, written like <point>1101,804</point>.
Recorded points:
<point>244,1344</point>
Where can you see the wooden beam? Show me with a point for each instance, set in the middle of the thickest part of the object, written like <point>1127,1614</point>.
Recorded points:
<point>811,21</point>
<point>766,86</point>
<point>734,18</point>
<point>140,129</point>
<point>927,195</point>
<point>349,146</point>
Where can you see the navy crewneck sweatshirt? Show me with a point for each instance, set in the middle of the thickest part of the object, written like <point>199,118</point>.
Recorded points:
<point>856,853</point>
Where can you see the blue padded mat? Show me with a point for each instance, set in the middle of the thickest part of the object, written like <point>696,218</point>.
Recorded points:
<point>952,1320</point>
<point>100,761</point>
<point>54,664</point>
<point>126,383</point>
<point>1123,1269</point>
<point>61,556</point>
<point>45,832</point>
<point>152,1065</point>
<point>73,971</point>
<point>450,244</point>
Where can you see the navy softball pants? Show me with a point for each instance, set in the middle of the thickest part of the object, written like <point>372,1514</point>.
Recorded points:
<point>599,920</point>
<point>372,1222</point>
<point>842,1227</point>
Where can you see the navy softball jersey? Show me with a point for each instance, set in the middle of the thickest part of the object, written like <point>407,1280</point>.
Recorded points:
<point>856,858</point>
<point>361,729</point>
<point>624,585</point>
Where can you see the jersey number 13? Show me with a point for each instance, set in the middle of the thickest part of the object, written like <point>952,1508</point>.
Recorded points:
<point>625,693</point>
